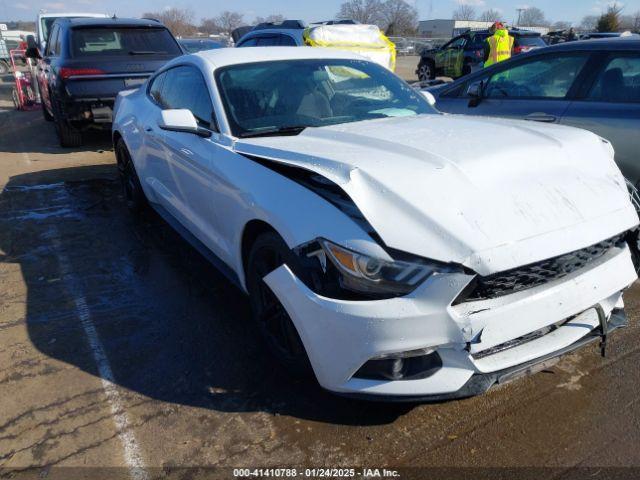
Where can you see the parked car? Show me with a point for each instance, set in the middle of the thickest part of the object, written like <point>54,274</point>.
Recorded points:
<point>381,246</point>
<point>465,53</point>
<point>403,46</point>
<point>5,61</point>
<point>195,45</point>
<point>593,85</point>
<point>284,34</point>
<point>88,61</point>
<point>45,22</point>
<point>606,35</point>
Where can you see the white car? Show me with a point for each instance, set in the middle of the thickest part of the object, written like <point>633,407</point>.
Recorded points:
<point>397,252</point>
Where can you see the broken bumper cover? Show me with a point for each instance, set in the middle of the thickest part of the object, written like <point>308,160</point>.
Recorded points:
<point>480,383</point>
<point>341,336</point>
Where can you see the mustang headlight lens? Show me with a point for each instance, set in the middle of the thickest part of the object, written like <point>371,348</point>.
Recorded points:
<point>364,274</point>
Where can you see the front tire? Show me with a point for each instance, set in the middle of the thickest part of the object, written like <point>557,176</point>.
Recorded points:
<point>268,253</point>
<point>426,71</point>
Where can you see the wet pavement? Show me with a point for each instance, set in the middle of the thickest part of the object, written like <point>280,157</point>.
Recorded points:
<point>121,349</point>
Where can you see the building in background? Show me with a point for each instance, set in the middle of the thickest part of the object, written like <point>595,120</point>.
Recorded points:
<point>442,28</point>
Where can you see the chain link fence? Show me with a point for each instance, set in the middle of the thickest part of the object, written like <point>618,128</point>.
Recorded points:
<point>415,45</point>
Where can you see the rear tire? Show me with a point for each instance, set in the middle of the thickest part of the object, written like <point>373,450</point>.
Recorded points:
<point>131,187</point>
<point>68,136</point>
<point>268,253</point>
<point>16,100</point>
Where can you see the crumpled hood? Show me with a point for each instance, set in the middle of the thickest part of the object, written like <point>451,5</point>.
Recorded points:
<point>492,194</point>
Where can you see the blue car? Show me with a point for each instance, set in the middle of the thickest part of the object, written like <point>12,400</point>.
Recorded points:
<point>593,85</point>
<point>288,33</point>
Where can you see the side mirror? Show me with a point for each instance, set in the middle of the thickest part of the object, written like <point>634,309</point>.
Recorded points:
<point>181,120</point>
<point>32,48</point>
<point>431,100</point>
<point>474,92</point>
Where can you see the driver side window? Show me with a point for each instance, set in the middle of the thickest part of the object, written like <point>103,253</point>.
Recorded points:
<point>550,77</point>
<point>184,87</point>
<point>455,44</point>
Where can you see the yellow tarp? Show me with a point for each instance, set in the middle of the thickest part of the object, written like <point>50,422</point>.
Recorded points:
<point>366,40</point>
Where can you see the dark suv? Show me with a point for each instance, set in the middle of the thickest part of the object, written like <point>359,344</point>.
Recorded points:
<point>86,63</point>
<point>465,53</point>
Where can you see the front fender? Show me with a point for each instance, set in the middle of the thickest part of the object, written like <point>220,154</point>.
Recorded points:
<point>255,192</point>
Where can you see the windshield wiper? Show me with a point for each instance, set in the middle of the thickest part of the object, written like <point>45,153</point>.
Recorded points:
<point>144,52</point>
<point>274,132</point>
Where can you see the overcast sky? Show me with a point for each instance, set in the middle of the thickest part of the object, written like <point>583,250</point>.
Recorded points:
<point>568,10</point>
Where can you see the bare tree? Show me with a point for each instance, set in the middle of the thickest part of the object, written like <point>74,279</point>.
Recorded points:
<point>490,15</point>
<point>533,17</point>
<point>626,22</point>
<point>363,11</point>
<point>210,25</point>
<point>270,19</point>
<point>464,12</point>
<point>229,21</point>
<point>589,23</point>
<point>400,18</point>
<point>636,21</point>
<point>561,25</point>
<point>178,20</point>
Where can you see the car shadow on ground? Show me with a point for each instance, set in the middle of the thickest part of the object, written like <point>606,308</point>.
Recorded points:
<point>31,134</point>
<point>173,329</point>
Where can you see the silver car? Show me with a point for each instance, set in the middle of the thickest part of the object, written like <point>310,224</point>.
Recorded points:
<point>593,85</point>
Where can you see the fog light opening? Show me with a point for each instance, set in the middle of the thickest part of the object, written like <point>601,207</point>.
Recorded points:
<point>413,365</point>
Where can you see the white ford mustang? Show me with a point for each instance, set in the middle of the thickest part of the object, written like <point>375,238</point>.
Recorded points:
<point>393,251</point>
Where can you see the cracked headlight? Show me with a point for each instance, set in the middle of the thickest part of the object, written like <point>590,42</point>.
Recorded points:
<point>338,270</point>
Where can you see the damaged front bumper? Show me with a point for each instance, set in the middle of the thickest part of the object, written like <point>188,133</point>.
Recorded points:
<point>477,344</point>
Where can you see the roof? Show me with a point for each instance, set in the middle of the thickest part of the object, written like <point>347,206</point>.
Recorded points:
<point>115,22</point>
<point>67,14</point>
<point>618,43</point>
<point>234,56</point>
<point>512,32</point>
<point>292,32</point>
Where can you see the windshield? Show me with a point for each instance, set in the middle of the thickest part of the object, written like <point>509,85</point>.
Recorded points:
<point>122,41</point>
<point>288,94</point>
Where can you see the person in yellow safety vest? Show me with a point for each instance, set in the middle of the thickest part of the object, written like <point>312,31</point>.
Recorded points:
<point>498,47</point>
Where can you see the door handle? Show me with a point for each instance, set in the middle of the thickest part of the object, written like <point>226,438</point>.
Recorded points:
<point>541,117</point>
<point>148,129</point>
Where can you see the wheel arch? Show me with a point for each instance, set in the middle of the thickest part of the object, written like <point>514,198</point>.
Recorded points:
<point>116,137</point>
<point>251,231</point>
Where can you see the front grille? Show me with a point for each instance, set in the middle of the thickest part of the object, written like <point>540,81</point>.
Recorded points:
<point>536,274</point>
